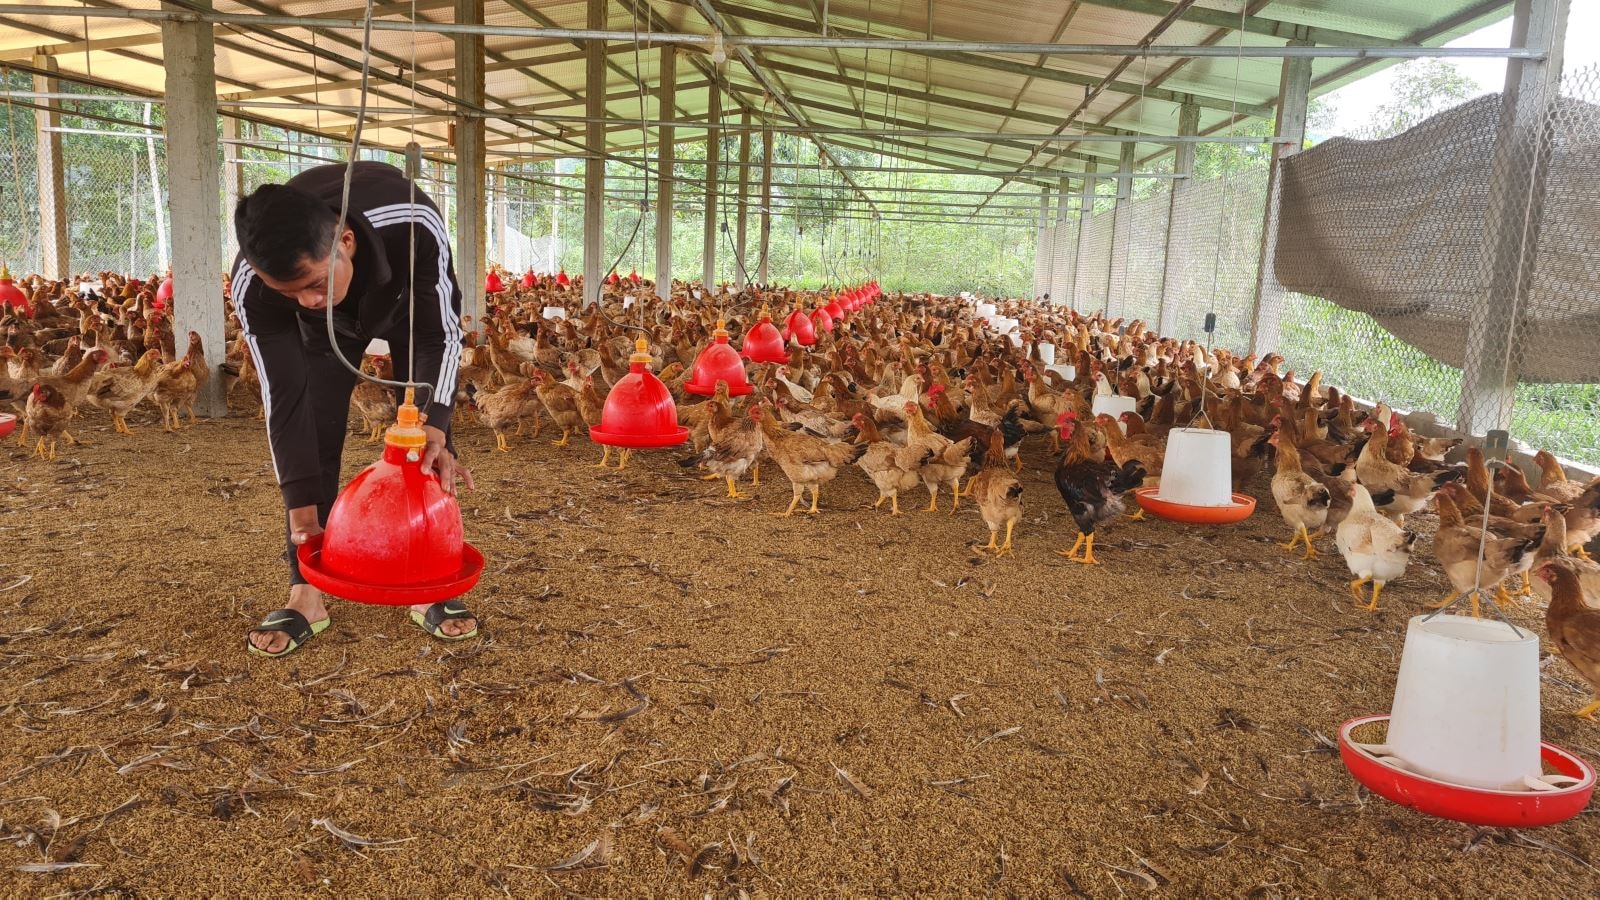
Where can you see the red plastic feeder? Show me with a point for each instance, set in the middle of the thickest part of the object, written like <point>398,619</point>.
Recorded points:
<point>8,424</point>
<point>164,292</point>
<point>528,280</point>
<point>718,362</point>
<point>11,295</point>
<point>493,284</point>
<point>639,411</point>
<point>763,343</point>
<point>799,327</point>
<point>394,536</point>
<point>1474,806</point>
<point>821,319</point>
<point>614,278</point>
<point>562,280</point>
<point>1237,511</point>
<point>633,276</point>
<point>834,309</point>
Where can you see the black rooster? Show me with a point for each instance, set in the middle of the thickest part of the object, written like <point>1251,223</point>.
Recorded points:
<point>1092,486</point>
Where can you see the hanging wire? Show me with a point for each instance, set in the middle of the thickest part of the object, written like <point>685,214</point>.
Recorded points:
<point>16,171</point>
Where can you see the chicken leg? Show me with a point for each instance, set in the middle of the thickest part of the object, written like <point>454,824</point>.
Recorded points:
<point>1085,541</point>
<point>605,458</point>
<point>733,491</point>
<point>816,494</point>
<point>799,492</point>
<point>1588,711</point>
<point>755,476</point>
<point>933,499</point>
<point>566,438</point>
<point>1004,548</point>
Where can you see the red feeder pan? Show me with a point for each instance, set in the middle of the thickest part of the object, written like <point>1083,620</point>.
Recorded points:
<point>763,343</point>
<point>493,284</point>
<point>639,411</point>
<point>11,295</point>
<point>800,328</point>
<point>1475,806</point>
<point>394,536</point>
<point>1237,511</point>
<point>718,362</point>
<point>8,423</point>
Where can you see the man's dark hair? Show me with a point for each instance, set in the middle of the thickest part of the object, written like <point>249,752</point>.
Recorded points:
<point>279,227</point>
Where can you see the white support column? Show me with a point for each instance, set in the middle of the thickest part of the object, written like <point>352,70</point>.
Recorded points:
<point>1043,255</point>
<point>189,54</point>
<point>708,251</point>
<point>1116,298</point>
<point>502,220</point>
<point>666,153</point>
<point>766,205</point>
<point>471,229</point>
<point>1183,165</point>
<point>1085,211</point>
<point>1294,92</point>
<point>54,241</point>
<point>1512,217</point>
<point>744,203</point>
<point>594,167</point>
<point>232,181</point>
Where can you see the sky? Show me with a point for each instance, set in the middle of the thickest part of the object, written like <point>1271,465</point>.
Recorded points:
<point>1355,103</point>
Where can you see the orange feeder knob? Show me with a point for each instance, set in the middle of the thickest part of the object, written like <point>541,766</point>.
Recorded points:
<point>719,362</point>
<point>394,536</point>
<point>639,412</point>
<point>763,343</point>
<point>11,295</point>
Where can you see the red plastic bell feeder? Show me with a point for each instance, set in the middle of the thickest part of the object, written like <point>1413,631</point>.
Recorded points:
<point>529,280</point>
<point>11,295</point>
<point>633,276</point>
<point>8,424</point>
<point>614,279</point>
<point>718,362</point>
<point>834,309</point>
<point>799,327</point>
<point>821,319</point>
<point>763,343</point>
<point>562,280</point>
<point>394,536</point>
<point>639,412</point>
<point>492,283</point>
<point>164,292</point>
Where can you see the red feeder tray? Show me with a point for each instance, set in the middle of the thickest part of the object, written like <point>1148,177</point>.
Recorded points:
<point>763,343</point>
<point>1239,510</point>
<point>1474,806</point>
<point>718,362</point>
<point>8,424</point>
<point>639,412</point>
<point>11,295</point>
<point>394,536</point>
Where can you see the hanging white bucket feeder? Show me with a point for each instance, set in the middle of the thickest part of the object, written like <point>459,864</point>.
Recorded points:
<point>378,348</point>
<point>555,312</point>
<point>1016,338</point>
<point>1466,704</point>
<point>1113,405</point>
<point>1198,470</point>
<point>627,302</point>
<point>1047,354</point>
<point>987,311</point>
<point>1067,373</point>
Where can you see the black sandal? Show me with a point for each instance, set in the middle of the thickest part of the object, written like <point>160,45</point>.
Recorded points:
<point>441,612</point>
<point>290,622</point>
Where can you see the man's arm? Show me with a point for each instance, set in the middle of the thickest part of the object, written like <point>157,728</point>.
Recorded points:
<point>272,333</point>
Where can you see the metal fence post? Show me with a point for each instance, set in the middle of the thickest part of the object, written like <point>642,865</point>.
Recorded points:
<point>1511,220</point>
<point>739,238</point>
<point>1183,166</point>
<point>594,165</point>
<point>1293,98</point>
<point>665,155</point>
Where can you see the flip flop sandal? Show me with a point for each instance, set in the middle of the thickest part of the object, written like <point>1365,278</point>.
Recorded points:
<point>442,612</point>
<point>291,623</point>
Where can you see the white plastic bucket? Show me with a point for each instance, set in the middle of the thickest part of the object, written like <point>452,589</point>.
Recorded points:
<point>1198,470</point>
<point>555,312</point>
<point>627,302</point>
<point>1113,405</point>
<point>1466,704</point>
<point>378,348</point>
<point>1016,338</point>
<point>1047,354</point>
<point>987,311</point>
<point>1066,372</point>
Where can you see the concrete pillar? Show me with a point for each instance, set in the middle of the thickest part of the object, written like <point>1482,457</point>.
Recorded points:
<point>1085,210</point>
<point>744,201</point>
<point>1182,164</point>
<point>766,205</point>
<point>471,230</point>
<point>189,53</point>
<point>232,181</point>
<point>1044,258</point>
<point>502,220</point>
<point>1294,92</point>
<point>594,167</point>
<point>666,153</point>
<point>708,255</point>
<point>1512,217</point>
<point>54,241</point>
<point>1116,297</point>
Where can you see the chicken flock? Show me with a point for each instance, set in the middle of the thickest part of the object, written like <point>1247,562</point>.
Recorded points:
<point>915,392</point>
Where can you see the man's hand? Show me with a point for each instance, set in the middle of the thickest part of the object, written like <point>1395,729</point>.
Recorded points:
<point>440,461</point>
<point>303,525</point>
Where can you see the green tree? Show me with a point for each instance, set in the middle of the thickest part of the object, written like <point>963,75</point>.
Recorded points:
<point>1422,88</point>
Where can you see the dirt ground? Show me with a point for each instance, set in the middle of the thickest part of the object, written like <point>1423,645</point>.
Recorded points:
<point>678,695</point>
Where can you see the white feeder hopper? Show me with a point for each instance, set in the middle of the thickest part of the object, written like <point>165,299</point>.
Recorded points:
<point>987,310</point>
<point>1047,354</point>
<point>1199,468</point>
<point>1113,405</point>
<point>1466,704</point>
<point>555,312</point>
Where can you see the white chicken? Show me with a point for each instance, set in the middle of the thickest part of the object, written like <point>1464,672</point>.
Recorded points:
<point>1373,546</point>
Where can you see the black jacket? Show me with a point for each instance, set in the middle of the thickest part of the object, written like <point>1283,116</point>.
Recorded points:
<point>281,334</point>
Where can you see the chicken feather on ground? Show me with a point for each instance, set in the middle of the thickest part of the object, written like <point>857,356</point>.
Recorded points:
<point>1373,546</point>
<point>892,467</point>
<point>1573,624</point>
<point>998,494</point>
<point>808,461</point>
